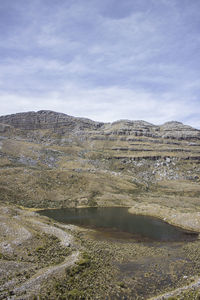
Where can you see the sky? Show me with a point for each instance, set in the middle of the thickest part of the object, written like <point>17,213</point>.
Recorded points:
<point>102,59</point>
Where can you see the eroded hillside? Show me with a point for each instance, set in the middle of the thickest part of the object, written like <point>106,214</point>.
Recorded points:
<point>49,159</point>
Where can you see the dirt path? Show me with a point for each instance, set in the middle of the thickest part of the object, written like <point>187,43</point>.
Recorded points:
<point>176,292</point>
<point>34,283</point>
<point>65,238</point>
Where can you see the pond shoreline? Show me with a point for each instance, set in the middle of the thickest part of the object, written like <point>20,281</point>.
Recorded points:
<point>189,221</point>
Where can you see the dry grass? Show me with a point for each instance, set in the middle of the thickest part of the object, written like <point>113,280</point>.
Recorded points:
<point>69,171</point>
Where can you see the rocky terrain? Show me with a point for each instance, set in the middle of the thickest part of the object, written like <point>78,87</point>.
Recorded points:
<point>50,159</point>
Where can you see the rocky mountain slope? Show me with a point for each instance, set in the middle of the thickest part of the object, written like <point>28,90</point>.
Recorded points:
<point>50,159</point>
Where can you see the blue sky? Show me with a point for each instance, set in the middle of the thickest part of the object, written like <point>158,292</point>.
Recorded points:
<point>105,60</point>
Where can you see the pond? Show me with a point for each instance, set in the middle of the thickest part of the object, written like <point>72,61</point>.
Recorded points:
<point>117,220</point>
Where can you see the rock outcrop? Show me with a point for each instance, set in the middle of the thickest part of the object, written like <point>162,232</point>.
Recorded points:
<point>169,130</point>
<point>45,119</point>
<point>179,131</point>
<point>4,127</point>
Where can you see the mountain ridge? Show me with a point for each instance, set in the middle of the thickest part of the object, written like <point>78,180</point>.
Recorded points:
<point>47,119</point>
<point>43,112</point>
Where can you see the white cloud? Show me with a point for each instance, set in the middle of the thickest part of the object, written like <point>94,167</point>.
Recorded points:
<point>104,104</point>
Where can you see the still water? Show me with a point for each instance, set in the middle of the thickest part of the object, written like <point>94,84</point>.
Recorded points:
<point>118,219</point>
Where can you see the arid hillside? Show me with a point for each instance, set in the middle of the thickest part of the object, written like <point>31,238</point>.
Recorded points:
<point>49,159</point>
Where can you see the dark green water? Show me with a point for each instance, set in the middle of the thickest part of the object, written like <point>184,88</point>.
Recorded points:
<point>118,219</point>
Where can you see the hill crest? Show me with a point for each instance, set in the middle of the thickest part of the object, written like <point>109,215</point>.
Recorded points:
<point>47,119</point>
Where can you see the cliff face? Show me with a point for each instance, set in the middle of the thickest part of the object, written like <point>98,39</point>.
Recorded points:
<point>179,131</point>
<point>52,159</point>
<point>174,130</point>
<point>45,119</point>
